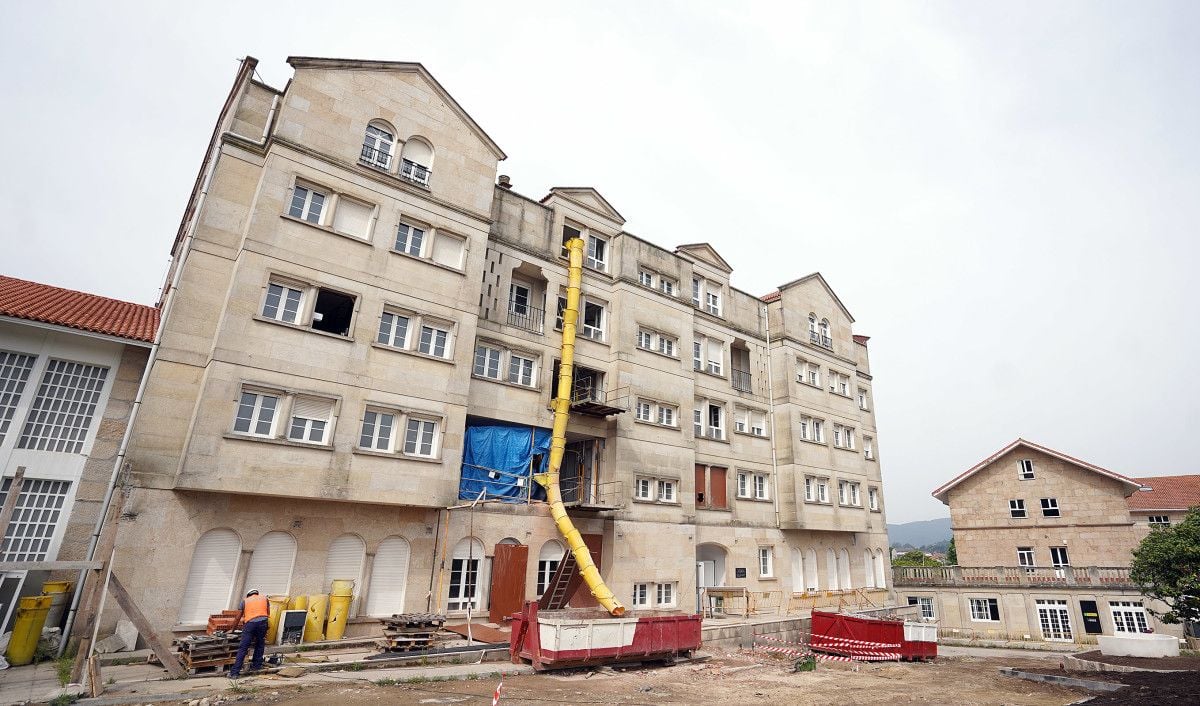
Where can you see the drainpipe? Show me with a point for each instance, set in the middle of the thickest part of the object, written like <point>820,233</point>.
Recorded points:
<point>771,409</point>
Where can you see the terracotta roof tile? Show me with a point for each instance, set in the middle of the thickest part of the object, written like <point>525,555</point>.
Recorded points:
<point>1169,493</point>
<point>22,299</point>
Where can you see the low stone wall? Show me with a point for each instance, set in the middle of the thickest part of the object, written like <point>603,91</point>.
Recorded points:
<point>740,635</point>
<point>1076,664</point>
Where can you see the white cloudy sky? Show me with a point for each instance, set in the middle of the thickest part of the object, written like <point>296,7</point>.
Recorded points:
<point>1004,194</point>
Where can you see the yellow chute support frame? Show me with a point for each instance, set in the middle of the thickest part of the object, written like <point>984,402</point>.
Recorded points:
<point>558,439</point>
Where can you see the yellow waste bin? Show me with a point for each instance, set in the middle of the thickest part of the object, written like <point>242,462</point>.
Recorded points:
<point>27,629</point>
<point>339,613</point>
<point>276,606</point>
<point>60,591</point>
<point>314,624</point>
<point>342,587</point>
<point>298,603</point>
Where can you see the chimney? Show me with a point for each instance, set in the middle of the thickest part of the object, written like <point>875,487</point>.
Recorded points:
<point>504,182</point>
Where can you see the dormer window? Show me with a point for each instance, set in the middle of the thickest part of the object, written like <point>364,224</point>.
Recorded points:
<point>706,295</point>
<point>818,332</point>
<point>416,161</point>
<point>378,145</point>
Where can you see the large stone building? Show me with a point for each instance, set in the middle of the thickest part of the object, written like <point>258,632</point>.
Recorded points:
<point>1044,544</point>
<point>70,365</point>
<point>357,314</point>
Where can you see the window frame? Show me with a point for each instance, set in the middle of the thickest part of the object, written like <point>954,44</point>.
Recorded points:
<point>305,211</point>
<point>435,441</point>
<point>988,608</point>
<point>506,357</point>
<point>766,562</point>
<point>1016,505</point>
<point>704,408</point>
<point>1025,469</point>
<point>1050,507</point>
<point>924,602</point>
<point>417,322</point>
<point>1158,520</point>
<point>255,421</point>
<point>327,424</point>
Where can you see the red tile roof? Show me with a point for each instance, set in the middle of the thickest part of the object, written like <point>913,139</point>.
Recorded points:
<point>1169,493</point>
<point>772,297</point>
<point>861,339</point>
<point>22,299</point>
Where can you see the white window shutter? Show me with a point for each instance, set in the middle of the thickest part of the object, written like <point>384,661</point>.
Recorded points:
<point>353,218</point>
<point>312,408</point>
<point>210,578</point>
<point>344,562</point>
<point>389,575</point>
<point>447,250</point>
<point>270,571</point>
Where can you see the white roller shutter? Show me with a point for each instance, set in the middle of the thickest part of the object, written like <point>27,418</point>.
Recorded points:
<point>345,562</point>
<point>270,571</point>
<point>210,578</point>
<point>389,575</point>
<point>447,250</point>
<point>352,217</point>
<point>312,408</point>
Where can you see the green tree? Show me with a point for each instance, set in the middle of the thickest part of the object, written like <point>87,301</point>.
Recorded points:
<point>1167,567</point>
<point>951,554</point>
<point>915,557</point>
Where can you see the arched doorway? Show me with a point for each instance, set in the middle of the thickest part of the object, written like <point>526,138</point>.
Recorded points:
<point>710,569</point>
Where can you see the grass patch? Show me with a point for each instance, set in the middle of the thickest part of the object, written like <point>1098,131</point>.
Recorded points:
<point>64,699</point>
<point>416,680</point>
<point>386,681</point>
<point>63,666</point>
<point>355,667</point>
<point>236,688</point>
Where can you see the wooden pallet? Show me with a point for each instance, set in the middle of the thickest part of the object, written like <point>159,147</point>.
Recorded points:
<point>205,651</point>
<point>401,621</point>
<point>411,642</point>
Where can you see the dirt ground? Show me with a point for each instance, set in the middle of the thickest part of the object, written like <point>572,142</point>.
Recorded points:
<point>726,679</point>
<point>1181,662</point>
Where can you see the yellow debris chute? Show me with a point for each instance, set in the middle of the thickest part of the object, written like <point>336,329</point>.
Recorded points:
<point>558,439</point>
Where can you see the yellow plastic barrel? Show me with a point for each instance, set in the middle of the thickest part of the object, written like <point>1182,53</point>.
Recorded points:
<point>314,624</point>
<point>276,606</point>
<point>27,629</point>
<point>339,612</point>
<point>60,592</point>
<point>342,587</point>
<point>298,603</point>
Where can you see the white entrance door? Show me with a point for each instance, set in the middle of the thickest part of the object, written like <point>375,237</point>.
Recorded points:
<point>1055,620</point>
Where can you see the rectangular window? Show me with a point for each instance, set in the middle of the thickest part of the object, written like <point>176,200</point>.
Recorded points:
<point>546,570</point>
<point>1025,557</point>
<point>410,239</point>
<point>713,479</point>
<point>1050,507</point>
<point>668,286</point>
<point>716,421</point>
<point>873,498</point>
<point>645,340</point>
<point>434,341</point>
<point>393,329</point>
<point>646,278</point>
<point>1025,469</point>
<point>869,448</point>
<point>712,303</point>
<point>666,595</point>
<point>743,485</point>
<point>487,362</point>
<point>14,373</point>
<point>985,610</point>
<point>283,302</point>
<point>447,250</point>
<point>810,489</point>
<point>643,489</point>
<point>862,399</point>
<point>521,370</point>
<point>34,520</point>
<point>420,438</point>
<point>818,431</point>
<point>641,595</point>
<point>760,487</point>
<point>1058,557</point>
<point>808,373</point>
<point>1016,509</point>
<point>1129,617</point>
<point>839,384</point>
<point>696,287</point>
<point>644,410</point>
<point>668,346</point>
<point>311,419</point>
<point>256,414</point>
<point>333,312</point>
<point>569,233</point>
<point>353,218</point>
<point>843,493</point>
<point>925,603</point>
<point>62,411</point>
<point>597,253</point>
<point>766,562</point>
<point>1154,520</point>
<point>377,431</point>
<point>855,495</point>
<point>667,415</point>
<point>1055,620</point>
<point>306,204</point>
<point>666,491</point>
<point>823,490</point>
<point>592,321</point>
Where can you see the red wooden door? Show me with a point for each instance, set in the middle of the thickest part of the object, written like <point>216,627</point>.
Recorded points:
<point>717,488</point>
<point>582,598</point>
<point>508,580</point>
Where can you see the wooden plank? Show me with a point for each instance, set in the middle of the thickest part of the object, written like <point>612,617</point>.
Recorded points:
<point>10,501</point>
<point>174,668</point>
<point>49,565</point>
<point>89,607</point>
<point>95,681</point>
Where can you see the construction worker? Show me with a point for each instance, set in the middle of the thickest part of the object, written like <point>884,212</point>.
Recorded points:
<point>255,611</point>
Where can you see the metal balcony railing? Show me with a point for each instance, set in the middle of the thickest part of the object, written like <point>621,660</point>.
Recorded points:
<point>823,341</point>
<point>412,171</point>
<point>527,317</point>
<point>375,157</point>
<point>741,380</point>
<point>1000,576</point>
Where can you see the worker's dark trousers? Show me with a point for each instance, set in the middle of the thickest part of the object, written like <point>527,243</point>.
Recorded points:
<point>254,633</point>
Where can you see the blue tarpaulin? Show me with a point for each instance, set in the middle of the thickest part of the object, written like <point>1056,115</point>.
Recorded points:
<point>497,459</point>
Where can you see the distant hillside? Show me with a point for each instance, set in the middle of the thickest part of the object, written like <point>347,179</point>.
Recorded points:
<point>920,533</point>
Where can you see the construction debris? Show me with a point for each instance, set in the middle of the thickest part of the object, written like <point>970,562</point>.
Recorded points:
<point>202,651</point>
<point>411,632</point>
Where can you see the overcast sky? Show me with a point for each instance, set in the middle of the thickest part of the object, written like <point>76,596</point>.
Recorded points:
<point>1004,195</point>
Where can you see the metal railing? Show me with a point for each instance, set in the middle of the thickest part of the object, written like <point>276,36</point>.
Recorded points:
<point>609,493</point>
<point>1000,576</point>
<point>823,341</point>
<point>375,157</point>
<point>415,172</point>
<point>527,317</point>
<point>741,380</point>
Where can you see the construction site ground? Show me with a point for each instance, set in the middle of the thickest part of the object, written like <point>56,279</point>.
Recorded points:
<point>960,676</point>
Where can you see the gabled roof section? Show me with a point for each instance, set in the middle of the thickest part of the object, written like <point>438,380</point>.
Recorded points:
<point>589,198</point>
<point>312,62</point>
<point>22,299</point>
<point>707,253</point>
<point>1166,493</point>
<point>1131,485</point>
<point>773,296</point>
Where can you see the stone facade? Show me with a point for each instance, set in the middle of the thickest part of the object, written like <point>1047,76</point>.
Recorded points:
<point>198,472</point>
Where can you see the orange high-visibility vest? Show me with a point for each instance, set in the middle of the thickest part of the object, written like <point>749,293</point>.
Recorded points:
<point>256,607</point>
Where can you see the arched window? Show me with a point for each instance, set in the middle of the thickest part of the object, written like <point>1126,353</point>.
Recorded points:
<point>880,569</point>
<point>548,558</point>
<point>868,569</point>
<point>831,567</point>
<point>825,329</point>
<point>844,570</point>
<point>379,144</point>
<point>810,570</point>
<point>812,323</point>
<point>270,571</point>
<point>344,562</point>
<point>416,160</point>
<point>210,577</point>
<point>466,576</point>
<point>389,577</point>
